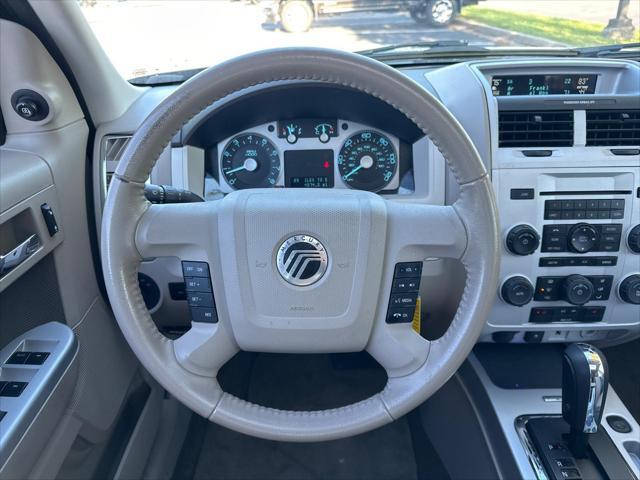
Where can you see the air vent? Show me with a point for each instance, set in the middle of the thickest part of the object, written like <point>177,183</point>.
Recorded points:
<point>613,127</point>
<point>112,149</point>
<point>536,129</point>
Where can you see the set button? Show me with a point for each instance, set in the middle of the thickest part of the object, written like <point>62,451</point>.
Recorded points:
<point>197,284</point>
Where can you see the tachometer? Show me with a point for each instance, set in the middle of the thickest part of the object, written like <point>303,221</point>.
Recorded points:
<point>250,160</point>
<point>367,161</point>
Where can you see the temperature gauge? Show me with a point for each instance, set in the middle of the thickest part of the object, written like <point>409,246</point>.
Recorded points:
<point>324,131</point>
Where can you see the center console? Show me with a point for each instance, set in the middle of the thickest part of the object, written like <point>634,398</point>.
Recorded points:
<point>555,410</point>
<point>566,172</point>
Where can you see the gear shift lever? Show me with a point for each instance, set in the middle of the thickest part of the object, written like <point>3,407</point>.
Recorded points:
<point>585,379</point>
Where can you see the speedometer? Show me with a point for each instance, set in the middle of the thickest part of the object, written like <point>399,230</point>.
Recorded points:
<point>367,161</point>
<point>250,160</point>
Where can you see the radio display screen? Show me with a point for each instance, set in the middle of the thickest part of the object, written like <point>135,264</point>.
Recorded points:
<point>308,168</point>
<point>531,85</point>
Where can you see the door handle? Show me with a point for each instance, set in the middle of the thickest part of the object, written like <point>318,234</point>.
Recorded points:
<point>19,254</point>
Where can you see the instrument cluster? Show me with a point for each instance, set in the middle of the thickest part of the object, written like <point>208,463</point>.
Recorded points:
<point>310,153</point>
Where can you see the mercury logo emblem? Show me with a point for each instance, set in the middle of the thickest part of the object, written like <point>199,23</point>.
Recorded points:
<point>302,260</point>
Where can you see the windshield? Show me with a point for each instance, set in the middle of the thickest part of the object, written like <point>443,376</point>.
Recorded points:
<point>148,37</point>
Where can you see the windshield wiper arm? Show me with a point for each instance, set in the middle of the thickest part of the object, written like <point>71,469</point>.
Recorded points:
<point>415,45</point>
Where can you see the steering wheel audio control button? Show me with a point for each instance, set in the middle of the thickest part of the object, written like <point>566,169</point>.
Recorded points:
<point>404,292</point>
<point>403,300</point>
<point>401,285</point>
<point>408,269</point>
<point>400,315</point>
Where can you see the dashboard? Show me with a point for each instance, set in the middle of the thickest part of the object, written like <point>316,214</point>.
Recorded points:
<point>560,138</point>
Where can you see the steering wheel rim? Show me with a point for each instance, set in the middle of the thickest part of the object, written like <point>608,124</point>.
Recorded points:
<point>133,230</point>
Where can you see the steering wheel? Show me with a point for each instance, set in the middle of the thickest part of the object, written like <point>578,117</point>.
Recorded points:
<point>360,238</point>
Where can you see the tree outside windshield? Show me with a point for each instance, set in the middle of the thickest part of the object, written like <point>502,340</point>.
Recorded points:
<point>143,37</point>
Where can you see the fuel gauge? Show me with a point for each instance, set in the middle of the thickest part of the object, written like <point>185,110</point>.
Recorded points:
<point>291,131</point>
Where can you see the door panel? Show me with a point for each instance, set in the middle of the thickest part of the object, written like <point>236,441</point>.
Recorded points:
<point>51,299</point>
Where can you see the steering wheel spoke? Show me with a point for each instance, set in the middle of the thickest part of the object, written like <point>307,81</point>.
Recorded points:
<point>187,231</point>
<point>398,348</point>
<point>205,348</point>
<point>418,231</point>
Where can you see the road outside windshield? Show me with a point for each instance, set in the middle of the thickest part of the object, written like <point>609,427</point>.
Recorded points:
<point>144,37</point>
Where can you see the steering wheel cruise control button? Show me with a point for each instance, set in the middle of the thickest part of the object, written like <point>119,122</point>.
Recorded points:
<point>197,284</point>
<point>199,292</point>
<point>195,269</point>
<point>198,299</point>
<point>204,315</point>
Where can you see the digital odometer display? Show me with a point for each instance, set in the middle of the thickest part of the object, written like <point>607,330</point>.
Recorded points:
<point>529,85</point>
<point>308,168</point>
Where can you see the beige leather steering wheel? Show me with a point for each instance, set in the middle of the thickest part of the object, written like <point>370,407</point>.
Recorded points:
<point>239,236</point>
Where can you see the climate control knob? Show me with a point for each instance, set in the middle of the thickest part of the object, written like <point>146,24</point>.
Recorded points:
<point>583,237</point>
<point>633,240</point>
<point>517,291</point>
<point>523,240</point>
<point>629,289</point>
<point>577,290</point>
